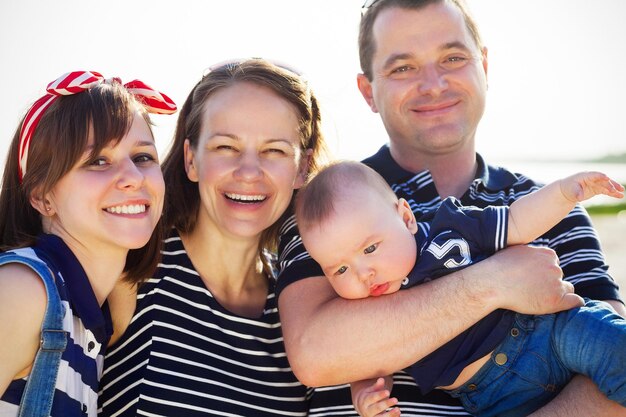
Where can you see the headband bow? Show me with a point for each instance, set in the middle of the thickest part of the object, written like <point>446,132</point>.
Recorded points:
<point>76,82</point>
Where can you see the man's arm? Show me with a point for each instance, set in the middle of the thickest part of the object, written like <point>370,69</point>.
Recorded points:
<point>330,340</point>
<point>580,398</point>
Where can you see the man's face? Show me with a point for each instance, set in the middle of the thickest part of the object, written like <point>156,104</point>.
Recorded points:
<point>428,80</point>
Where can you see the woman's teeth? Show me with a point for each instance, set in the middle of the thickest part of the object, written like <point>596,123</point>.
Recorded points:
<point>132,209</point>
<point>245,198</point>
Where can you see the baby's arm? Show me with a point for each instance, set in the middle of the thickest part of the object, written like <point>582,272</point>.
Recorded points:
<point>371,397</point>
<point>536,213</point>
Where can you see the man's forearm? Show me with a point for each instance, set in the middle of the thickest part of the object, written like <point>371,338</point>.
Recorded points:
<point>580,398</point>
<point>330,340</point>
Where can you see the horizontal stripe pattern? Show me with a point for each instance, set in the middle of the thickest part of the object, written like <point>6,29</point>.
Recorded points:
<point>573,239</point>
<point>184,354</point>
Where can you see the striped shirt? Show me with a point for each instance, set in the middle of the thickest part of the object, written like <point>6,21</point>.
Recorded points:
<point>89,329</point>
<point>184,354</point>
<point>573,239</point>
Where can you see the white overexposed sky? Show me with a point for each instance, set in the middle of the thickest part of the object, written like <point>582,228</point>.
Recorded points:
<point>556,67</point>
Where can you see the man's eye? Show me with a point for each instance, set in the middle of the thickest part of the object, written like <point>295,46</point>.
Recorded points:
<point>455,62</point>
<point>370,248</point>
<point>401,69</point>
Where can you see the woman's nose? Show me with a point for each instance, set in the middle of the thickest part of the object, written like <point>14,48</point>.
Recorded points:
<point>249,167</point>
<point>129,175</point>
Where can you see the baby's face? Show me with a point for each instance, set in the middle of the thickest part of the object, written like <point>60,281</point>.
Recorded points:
<point>366,248</point>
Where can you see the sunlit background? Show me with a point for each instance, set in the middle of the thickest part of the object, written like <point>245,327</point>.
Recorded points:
<point>556,67</point>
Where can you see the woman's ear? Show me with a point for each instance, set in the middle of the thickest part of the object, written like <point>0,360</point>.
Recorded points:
<point>190,166</point>
<point>404,210</point>
<point>303,169</point>
<point>41,204</point>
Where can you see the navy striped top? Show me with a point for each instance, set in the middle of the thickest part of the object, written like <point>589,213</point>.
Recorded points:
<point>573,239</point>
<point>89,329</point>
<point>184,354</point>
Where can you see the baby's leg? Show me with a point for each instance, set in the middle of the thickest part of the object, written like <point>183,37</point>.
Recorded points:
<point>591,340</point>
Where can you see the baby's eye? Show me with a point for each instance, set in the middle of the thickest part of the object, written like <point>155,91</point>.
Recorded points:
<point>370,248</point>
<point>341,270</point>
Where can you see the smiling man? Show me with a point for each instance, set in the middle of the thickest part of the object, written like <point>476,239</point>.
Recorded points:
<point>425,72</point>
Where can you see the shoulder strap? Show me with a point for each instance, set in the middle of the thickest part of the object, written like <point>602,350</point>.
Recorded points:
<point>39,391</point>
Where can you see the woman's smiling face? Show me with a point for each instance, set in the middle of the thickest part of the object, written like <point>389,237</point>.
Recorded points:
<point>248,159</point>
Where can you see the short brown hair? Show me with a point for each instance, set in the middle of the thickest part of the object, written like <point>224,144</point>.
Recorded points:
<point>367,45</point>
<point>315,201</point>
<point>57,144</point>
<point>182,200</point>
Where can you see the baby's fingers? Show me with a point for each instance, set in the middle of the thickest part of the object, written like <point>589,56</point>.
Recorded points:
<point>616,189</point>
<point>609,187</point>
<point>599,183</point>
<point>380,404</point>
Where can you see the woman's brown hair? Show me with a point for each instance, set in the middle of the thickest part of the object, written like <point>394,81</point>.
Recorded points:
<point>58,143</point>
<point>182,201</point>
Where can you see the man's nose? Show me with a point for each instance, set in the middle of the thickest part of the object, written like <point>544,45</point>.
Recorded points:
<point>432,80</point>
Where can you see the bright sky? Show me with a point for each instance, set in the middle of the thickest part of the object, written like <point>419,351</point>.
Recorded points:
<point>556,67</point>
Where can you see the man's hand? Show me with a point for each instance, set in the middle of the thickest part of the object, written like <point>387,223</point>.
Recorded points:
<point>530,281</point>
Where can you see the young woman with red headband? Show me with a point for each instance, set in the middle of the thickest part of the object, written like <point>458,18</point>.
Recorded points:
<point>80,205</point>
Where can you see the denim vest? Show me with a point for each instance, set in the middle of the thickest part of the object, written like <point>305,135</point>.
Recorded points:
<point>39,391</point>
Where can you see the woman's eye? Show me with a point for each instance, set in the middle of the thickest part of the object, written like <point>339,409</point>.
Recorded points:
<point>143,158</point>
<point>370,248</point>
<point>97,162</point>
<point>276,151</point>
<point>341,270</point>
<point>226,148</point>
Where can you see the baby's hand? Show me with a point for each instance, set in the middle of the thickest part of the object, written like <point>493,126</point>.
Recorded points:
<point>584,185</point>
<point>372,400</point>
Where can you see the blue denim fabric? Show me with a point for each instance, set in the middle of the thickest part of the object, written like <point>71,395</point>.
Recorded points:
<point>39,391</point>
<point>542,353</point>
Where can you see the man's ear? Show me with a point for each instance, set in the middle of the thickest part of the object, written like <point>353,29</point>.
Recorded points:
<point>190,166</point>
<point>303,169</point>
<point>404,210</point>
<point>365,87</point>
<point>485,63</point>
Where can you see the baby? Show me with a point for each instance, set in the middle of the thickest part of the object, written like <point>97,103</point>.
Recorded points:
<point>369,243</point>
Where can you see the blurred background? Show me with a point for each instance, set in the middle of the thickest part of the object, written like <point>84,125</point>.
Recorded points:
<point>556,83</point>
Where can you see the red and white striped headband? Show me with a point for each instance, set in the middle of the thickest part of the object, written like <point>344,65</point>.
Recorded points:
<point>76,82</point>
